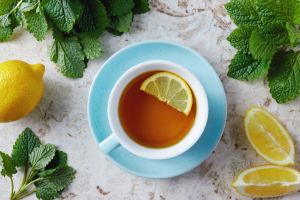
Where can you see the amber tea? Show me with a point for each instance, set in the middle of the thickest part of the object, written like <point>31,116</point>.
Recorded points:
<point>149,121</point>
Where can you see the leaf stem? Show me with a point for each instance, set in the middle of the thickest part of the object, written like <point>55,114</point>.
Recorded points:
<point>12,187</point>
<point>17,6</point>
<point>25,176</point>
<point>32,191</point>
<point>24,187</point>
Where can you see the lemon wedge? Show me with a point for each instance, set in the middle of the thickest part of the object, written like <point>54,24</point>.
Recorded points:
<point>268,137</point>
<point>267,181</point>
<point>170,88</point>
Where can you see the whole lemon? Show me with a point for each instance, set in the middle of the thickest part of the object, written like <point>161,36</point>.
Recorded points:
<point>21,89</point>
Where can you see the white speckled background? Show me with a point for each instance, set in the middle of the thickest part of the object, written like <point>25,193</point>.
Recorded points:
<point>61,116</point>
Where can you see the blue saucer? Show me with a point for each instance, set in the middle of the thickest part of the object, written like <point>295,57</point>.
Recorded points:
<point>132,55</point>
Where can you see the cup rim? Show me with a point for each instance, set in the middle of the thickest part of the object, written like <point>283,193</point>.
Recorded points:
<point>192,136</point>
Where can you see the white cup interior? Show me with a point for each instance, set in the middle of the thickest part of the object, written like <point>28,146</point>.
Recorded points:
<point>188,141</point>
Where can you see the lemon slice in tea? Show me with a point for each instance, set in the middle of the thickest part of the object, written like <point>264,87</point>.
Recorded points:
<point>170,88</point>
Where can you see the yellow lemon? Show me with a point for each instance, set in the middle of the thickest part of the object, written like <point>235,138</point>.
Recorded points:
<point>268,137</point>
<point>170,88</point>
<point>21,89</point>
<point>267,181</point>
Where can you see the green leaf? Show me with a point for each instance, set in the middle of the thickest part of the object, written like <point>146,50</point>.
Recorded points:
<point>119,7</point>
<point>34,20</point>
<point>6,32</point>
<point>41,156</point>
<point>140,6</point>
<point>294,34</point>
<point>93,19</point>
<point>45,192</point>
<point>5,20</point>
<point>70,58</point>
<point>26,6</point>
<point>23,146</point>
<point>6,163</point>
<point>275,34</point>
<point>239,38</point>
<point>260,48</point>
<point>91,47</point>
<point>113,31</point>
<point>46,172</point>
<point>60,159</point>
<point>121,23</point>
<point>245,67</point>
<point>284,76</point>
<point>53,54</point>
<point>59,178</point>
<point>243,12</point>
<point>57,34</point>
<point>276,11</point>
<point>4,4</point>
<point>297,14</point>
<point>63,13</point>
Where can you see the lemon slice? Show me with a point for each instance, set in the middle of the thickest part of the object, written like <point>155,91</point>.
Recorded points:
<point>268,137</point>
<point>267,181</point>
<point>170,88</point>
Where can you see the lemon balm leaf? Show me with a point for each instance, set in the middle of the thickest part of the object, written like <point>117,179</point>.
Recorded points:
<point>140,6</point>
<point>93,19</point>
<point>294,34</point>
<point>245,67</point>
<point>70,58</point>
<point>239,38</point>
<point>45,192</point>
<point>121,22</point>
<point>284,76</point>
<point>91,47</point>
<point>23,146</point>
<point>260,48</point>
<point>8,168</point>
<point>53,52</point>
<point>63,13</point>
<point>119,7</point>
<point>5,20</point>
<point>41,156</point>
<point>243,12</point>
<point>34,20</point>
<point>6,32</point>
<point>60,159</point>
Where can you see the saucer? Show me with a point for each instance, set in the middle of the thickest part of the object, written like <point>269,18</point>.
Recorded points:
<point>140,52</point>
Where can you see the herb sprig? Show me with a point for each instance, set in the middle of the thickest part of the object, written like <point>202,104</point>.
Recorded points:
<point>76,25</point>
<point>265,29</point>
<point>45,167</point>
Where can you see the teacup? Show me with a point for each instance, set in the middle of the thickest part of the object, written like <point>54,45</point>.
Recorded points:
<point>119,136</point>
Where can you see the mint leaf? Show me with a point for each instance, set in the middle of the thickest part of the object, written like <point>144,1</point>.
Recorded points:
<point>6,32</point>
<point>45,192</point>
<point>119,7</point>
<point>60,159</point>
<point>6,163</point>
<point>276,11</point>
<point>121,22</point>
<point>23,146</point>
<point>245,67</point>
<point>294,34</point>
<point>70,58</point>
<point>59,178</point>
<point>5,20</point>
<point>53,54</point>
<point>63,13</point>
<point>239,38</point>
<point>41,156</point>
<point>93,19</point>
<point>260,48</point>
<point>57,34</point>
<point>284,76</point>
<point>34,20</point>
<point>5,4</point>
<point>140,6</point>
<point>91,47</point>
<point>113,31</point>
<point>243,12</point>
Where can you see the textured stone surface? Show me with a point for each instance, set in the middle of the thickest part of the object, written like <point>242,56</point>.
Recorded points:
<point>61,117</point>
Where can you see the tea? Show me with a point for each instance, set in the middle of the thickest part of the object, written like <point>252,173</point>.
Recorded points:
<point>149,121</point>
